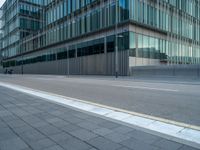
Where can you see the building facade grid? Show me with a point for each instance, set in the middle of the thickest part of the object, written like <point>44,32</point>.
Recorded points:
<point>151,32</point>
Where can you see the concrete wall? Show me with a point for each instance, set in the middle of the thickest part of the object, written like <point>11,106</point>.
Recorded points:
<point>136,61</point>
<point>101,64</point>
<point>1,69</point>
<point>185,71</point>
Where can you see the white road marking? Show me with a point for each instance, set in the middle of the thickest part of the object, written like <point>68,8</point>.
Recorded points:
<point>183,134</point>
<point>146,88</point>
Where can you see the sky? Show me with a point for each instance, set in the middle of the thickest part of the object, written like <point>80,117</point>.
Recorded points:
<point>1,2</point>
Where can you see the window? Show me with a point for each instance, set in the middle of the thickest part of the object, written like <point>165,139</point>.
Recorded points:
<point>132,44</point>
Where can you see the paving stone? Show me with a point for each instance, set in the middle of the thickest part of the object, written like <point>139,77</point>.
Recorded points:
<point>22,105</point>
<point>44,116</point>
<point>83,134</point>
<point>102,131</point>
<point>88,125</point>
<point>31,119</point>
<point>109,125</point>
<point>31,135</point>
<point>75,144</point>
<point>81,115</point>
<point>104,144</point>
<point>57,122</point>
<point>5,130</point>
<point>20,113</point>
<point>13,144</point>
<point>36,104</point>
<point>2,108</point>
<point>117,137</point>
<point>123,148</point>
<point>60,124</point>
<point>9,118</point>
<point>92,149</point>
<point>138,145</point>
<point>49,130</point>
<point>146,137</point>
<point>40,124</point>
<point>22,129</point>
<point>54,119</point>
<point>5,113</point>
<point>96,120</point>
<point>7,133</point>
<point>27,148</point>
<point>2,124</point>
<point>70,127</point>
<point>16,123</point>
<point>55,112</point>
<point>10,105</point>
<point>30,109</point>
<point>72,119</point>
<point>187,148</point>
<point>60,137</point>
<point>123,129</point>
<point>56,147</point>
<point>41,144</point>
<point>167,145</point>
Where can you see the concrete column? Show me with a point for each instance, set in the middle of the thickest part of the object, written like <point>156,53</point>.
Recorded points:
<point>105,45</point>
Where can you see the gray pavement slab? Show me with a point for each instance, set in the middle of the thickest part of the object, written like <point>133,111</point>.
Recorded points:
<point>22,129</point>
<point>30,123</point>
<point>167,145</point>
<point>83,134</point>
<point>88,125</point>
<point>147,138</point>
<point>70,127</point>
<point>104,144</point>
<point>55,147</point>
<point>187,148</point>
<point>117,137</point>
<point>31,135</point>
<point>140,145</point>
<point>6,134</point>
<point>49,130</point>
<point>75,144</point>
<point>103,131</point>
<point>42,144</point>
<point>123,129</point>
<point>13,144</point>
<point>60,137</point>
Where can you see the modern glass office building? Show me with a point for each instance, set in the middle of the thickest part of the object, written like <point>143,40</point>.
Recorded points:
<point>98,36</point>
<point>1,36</point>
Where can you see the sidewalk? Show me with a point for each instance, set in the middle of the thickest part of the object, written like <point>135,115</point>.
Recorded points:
<point>30,123</point>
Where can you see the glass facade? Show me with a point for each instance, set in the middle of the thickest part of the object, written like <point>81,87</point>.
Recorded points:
<point>179,20</point>
<point>19,19</point>
<point>92,47</point>
<point>169,29</point>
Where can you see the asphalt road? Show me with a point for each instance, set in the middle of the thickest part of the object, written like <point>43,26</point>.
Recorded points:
<point>171,99</point>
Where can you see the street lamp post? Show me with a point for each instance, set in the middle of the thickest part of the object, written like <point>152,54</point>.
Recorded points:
<point>22,63</point>
<point>22,66</point>
<point>67,61</point>
<point>116,40</point>
<point>21,52</point>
